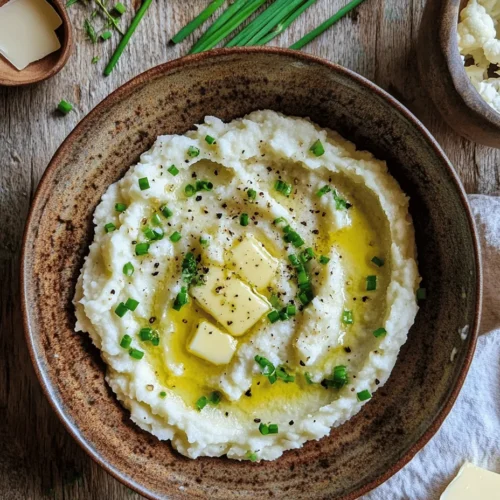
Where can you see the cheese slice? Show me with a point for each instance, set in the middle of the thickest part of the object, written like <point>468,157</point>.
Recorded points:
<point>230,301</point>
<point>211,344</point>
<point>27,31</point>
<point>253,262</point>
<point>473,483</point>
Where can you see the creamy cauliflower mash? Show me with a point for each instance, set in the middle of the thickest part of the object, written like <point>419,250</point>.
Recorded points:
<point>479,45</point>
<point>250,285</point>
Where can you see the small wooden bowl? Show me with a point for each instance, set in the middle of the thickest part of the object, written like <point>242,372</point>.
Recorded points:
<point>443,76</point>
<point>48,66</point>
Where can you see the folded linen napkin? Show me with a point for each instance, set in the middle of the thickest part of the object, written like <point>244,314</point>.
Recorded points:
<point>471,432</point>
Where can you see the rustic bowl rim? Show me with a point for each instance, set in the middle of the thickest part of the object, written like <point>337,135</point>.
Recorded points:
<point>65,51</point>
<point>216,54</point>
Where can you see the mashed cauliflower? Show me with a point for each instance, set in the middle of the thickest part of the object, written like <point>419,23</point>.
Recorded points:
<point>250,285</point>
<point>478,38</point>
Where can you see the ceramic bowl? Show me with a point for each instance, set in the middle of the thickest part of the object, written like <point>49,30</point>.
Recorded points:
<point>171,98</point>
<point>48,66</point>
<point>443,75</point>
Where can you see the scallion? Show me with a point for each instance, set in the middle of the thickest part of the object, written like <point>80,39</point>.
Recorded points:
<point>317,148</point>
<point>378,261</point>
<point>131,304</point>
<point>142,248</point>
<point>204,186</point>
<point>283,188</point>
<point>109,227</point>
<point>323,190</point>
<point>273,316</point>
<point>251,456</point>
<point>173,170</point>
<point>371,283</point>
<point>167,213</point>
<point>347,317</point>
<point>189,190</point>
<point>120,207</point>
<point>146,334</point>
<point>121,310</point>
<point>252,194</point>
<point>364,395</point>
<point>244,219</point>
<point>201,403</point>
<point>155,219</point>
<point>128,269</point>
<point>214,398</point>
<point>193,152</point>
<point>136,354</point>
<point>175,237</point>
<point>120,8</point>
<point>126,341</point>
<point>181,300</point>
<point>379,332</point>
<point>324,260</point>
<point>106,35</point>
<point>64,107</point>
<point>308,378</point>
<point>144,183</point>
<point>273,428</point>
<point>209,139</point>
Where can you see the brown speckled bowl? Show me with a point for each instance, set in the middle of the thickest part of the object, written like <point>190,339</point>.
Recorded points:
<point>170,98</point>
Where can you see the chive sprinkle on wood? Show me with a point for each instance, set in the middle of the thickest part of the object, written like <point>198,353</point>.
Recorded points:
<point>324,26</point>
<point>124,41</point>
<point>197,21</point>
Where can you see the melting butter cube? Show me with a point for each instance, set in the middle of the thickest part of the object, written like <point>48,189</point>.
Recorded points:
<point>230,301</point>
<point>473,483</point>
<point>253,262</point>
<point>212,345</point>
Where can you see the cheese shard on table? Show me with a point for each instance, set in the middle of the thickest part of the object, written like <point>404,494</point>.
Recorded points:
<point>230,301</point>
<point>473,483</point>
<point>253,262</point>
<point>212,345</point>
<point>27,31</point>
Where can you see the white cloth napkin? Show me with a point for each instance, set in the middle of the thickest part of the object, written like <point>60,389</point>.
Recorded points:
<point>471,432</point>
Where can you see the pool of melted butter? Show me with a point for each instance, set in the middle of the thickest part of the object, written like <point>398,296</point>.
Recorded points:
<point>357,244</point>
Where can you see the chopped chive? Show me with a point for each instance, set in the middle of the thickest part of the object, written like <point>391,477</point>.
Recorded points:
<point>128,269</point>
<point>201,403</point>
<point>124,41</point>
<point>371,283</point>
<point>273,428</point>
<point>209,139</point>
<point>340,376</point>
<point>126,341</point>
<point>189,190</point>
<point>204,186</point>
<point>156,220</point>
<point>364,395</point>
<point>297,241</point>
<point>283,188</point>
<point>283,314</point>
<point>106,35</point>
<point>279,220</point>
<point>144,183</point>
<point>155,340</point>
<point>273,316</point>
<point>244,219</point>
<point>308,254</point>
<point>146,334</point>
<point>193,152</point>
<point>272,378</point>
<point>267,368</point>
<point>275,301</point>
<point>162,394</point>
<point>95,59</point>
<point>109,227</point>
<point>166,211</point>
<point>214,398</point>
<point>131,304</point>
<point>317,148</point>
<point>347,317</point>
<point>121,310</point>
<point>197,21</point>
<point>120,207</point>
<point>282,374</point>
<point>120,8</point>
<point>380,332</point>
<point>173,170</point>
<point>148,232</point>
<point>304,298</point>
<point>324,260</point>
<point>175,237</point>
<point>181,300</point>
<point>421,294</point>
<point>91,33</point>
<point>252,194</point>
<point>378,261</point>
<point>142,248</point>
<point>302,277</point>
<point>263,429</point>
<point>324,26</point>
<point>294,260</point>
<point>323,190</point>
<point>251,456</point>
<point>158,233</point>
<point>340,203</point>
<point>64,107</point>
<point>308,378</point>
<point>291,310</point>
<point>136,354</point>
<point>204,242</point>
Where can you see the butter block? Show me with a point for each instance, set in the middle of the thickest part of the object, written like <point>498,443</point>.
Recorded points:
<point>473,483</point>
<point>253,262</point>
<point>230,301</point>
<point>212,345</point>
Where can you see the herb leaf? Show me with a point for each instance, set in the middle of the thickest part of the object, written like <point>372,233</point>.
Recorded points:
<point>89,29</point>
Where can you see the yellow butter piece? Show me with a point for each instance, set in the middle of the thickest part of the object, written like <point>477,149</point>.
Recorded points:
<point>230,301</point>
<point>253,262</point>
<point>210,344</point>
<point>473,483</point>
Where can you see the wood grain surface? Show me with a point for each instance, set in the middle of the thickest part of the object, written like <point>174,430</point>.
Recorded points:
<point>38,459</point>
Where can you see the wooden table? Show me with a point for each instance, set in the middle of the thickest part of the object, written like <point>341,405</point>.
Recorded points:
<point>38,459</point>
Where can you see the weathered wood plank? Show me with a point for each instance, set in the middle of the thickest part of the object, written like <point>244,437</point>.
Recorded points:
<point>38,458</point>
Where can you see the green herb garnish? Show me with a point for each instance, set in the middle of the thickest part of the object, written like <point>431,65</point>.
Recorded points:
<point>90,30</point>
<point>175,237</point>
<point>136,354</point>
<point>142,248</point>
<point>128,269</point>
<point>252,194</point>
<point>364,395</point>
<point>126,341</point>
<point>193,152</point>
<point>144,183</point>
<point>64,107</point>
<point>371,283</point>
<point>209,139</point>
<point>317,148</point>
<point>244,219</point>
<point>340,203</point>
<point>283,188</point>
<point>201,403</point>
<point>378,261</point>
<point>109,227</point>
<point>181,300</point>
<point>167,213</point>
<point>131,304</point>
<point>120,207</point>
<point>347,317</point>
<point>323,190</point>
<point>324,260</point>
<point>380,332</point>
<point>173,170</point>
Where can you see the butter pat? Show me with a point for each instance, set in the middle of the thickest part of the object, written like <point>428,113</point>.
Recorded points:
<point>473,483</point>
<point>230,301</point>
<point>212,345</point>
<point>27,31</point>
<point>253,262</point>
